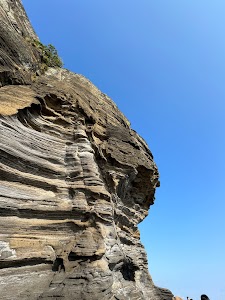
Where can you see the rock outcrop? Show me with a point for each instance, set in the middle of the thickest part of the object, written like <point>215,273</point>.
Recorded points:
<point>18,58</point>
<point>166,294</point>
<point>75,181</point>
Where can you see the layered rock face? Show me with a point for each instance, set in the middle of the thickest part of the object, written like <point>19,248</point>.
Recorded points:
<point>17,56</point>
<point>75,181</point>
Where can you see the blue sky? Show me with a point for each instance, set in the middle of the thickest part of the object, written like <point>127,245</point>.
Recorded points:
<point>163,63</point>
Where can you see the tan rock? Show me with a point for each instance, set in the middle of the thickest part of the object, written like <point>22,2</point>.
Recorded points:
<point>75,181</point>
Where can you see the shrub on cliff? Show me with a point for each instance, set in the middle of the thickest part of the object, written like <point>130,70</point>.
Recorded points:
<point>49,54</point>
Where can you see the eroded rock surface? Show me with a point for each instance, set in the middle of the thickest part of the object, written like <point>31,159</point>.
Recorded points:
<point>75,181</point>
<point>19,60</point>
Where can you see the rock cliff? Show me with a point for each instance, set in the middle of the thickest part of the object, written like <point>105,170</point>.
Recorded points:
<point>75,181</point>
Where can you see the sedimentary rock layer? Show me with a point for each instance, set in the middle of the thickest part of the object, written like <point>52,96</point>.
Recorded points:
<point>18,58</point>
<point>75,181</point>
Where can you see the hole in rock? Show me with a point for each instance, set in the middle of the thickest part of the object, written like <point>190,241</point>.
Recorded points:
<point>128,270</point>
<point>72,256</point>
<point>71,193</point>
<point>58,265</point>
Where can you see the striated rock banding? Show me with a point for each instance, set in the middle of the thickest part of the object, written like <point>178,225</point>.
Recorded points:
<point>75,181</point>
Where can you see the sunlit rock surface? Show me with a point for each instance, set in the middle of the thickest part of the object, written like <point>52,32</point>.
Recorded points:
<point>18,59</point>
<point>75,181</point>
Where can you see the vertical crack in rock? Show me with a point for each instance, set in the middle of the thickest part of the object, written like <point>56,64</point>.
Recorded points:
<point>75,181</point>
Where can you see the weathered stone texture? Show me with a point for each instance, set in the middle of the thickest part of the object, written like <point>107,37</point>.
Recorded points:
<point>75,180</point>
<point>18,58</point>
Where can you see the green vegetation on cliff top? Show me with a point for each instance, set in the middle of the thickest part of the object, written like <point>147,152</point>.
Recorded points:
<point>49,54</point>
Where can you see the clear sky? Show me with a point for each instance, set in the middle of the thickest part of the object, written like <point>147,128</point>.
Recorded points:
<point>163,63</point>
